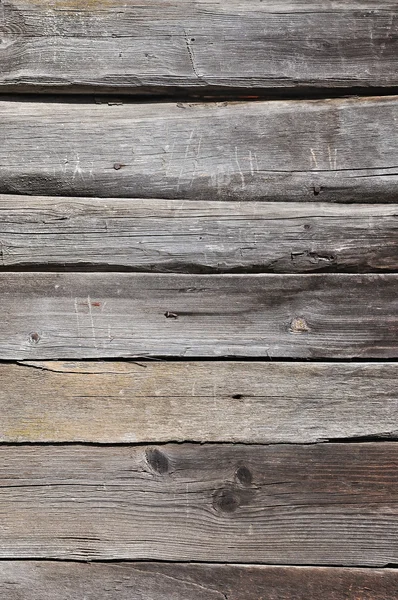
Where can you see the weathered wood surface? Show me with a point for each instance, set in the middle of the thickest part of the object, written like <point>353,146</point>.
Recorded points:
<point>317,504</point>
<point>119,402</point>
<point>197,45</point>
<point>32,580</point>
<point>94,315</point>
<point>204,236</point>
<point>333,150</point>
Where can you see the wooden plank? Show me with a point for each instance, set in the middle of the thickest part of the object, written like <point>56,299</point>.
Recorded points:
<point>30,580</point>
<point>94,315</point>
<point>197,236</point>
<point>320,504</point>
<point>119,402</point>
<point>198,45</point>
<point>330,150</point>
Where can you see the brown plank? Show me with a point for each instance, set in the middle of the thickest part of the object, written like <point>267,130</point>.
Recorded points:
<point>95,315</point>
<point>330,150</point>
<point>197,236</point>
<point>30,580</point>
<point>197,46</point>
<point>320,504</point>
<point>119,402</point>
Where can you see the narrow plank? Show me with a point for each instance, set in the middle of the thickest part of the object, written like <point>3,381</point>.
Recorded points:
<point>30,580</point>
<point>119,402</point>
<point>95,315</point>
<point>330,150</point>
<point>197,236</point>
<point>320,504</point>
<point>197,45</point>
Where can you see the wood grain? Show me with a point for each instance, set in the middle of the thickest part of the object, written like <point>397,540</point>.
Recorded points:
<point>30,580</point>
<point>120,402</point>
<point>314,504</point>
<point>197,45</point>
<point>96,315</point>
<point>196,236</point>
<point>330,150</point>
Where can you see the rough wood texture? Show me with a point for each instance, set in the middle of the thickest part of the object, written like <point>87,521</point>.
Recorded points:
<point>136,581</point>
<point>206,236</point>
<point>318,504</point>
<point>72,315</point>
<point>113,402</point>
<point>333,150</point>
<point>197,45</point>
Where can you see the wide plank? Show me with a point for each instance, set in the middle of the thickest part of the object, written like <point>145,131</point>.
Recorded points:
<point>319,504</point>
<point>197,45</point>
<point>32,580</point>
<point>196,236</point>
<point>99,315</point>
<point>248,402</point>
<point>321,150</point>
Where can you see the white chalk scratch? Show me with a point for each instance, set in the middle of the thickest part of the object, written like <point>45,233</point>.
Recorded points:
<point>77,318</point>
<point>251,162</point>
<point>170,161</point>
<point>313,158</point>
<point>239,168</point>
<point>332,158</point>
<point>90,312</point>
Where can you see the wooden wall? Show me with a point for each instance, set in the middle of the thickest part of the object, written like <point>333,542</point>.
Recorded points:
<point>198,300</point>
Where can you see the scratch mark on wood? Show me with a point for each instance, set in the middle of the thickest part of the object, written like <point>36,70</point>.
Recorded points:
<point>313,158</point>
<point>90,312</point>
<point>239,168</point>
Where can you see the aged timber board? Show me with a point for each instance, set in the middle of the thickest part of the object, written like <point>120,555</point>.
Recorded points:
<point>323,150</point>
<point>313,504</point>
<point>197,46</point>
<point>125,402</point>
<point>196,236</point>
<point>50,580</point>
<point>94,315</point>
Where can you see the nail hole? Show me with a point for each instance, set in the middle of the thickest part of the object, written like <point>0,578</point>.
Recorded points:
<point>317,190</point>
<point>34,338</point>
<point>170,315</point>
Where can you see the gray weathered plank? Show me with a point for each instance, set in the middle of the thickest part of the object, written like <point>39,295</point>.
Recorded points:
<point>331,150</point>
<point>113,402</point>
<point>197,45</point>
<point>197,236</point>
<point>316,504</point>
<point>94,315</point>
<point>30,580</point>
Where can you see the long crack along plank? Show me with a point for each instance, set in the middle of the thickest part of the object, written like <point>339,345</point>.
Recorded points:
<point>198,46</point>
<point>105,315</point>
<point>197,236</point>
<point>248,402</point>
<point>314,504</point>
<point>330,150</point>
<point>135,581</point>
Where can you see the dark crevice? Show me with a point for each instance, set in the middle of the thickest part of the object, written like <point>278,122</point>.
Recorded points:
<point>327,265</point>
<point>74,93</point>
<point>132,562</point>
<point>156,358</point>
<point>151,443</point>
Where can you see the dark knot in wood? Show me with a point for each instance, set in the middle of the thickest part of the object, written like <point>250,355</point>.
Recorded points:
<point>226,500</point>
<point>244,476</point>
<point>157,461</point>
